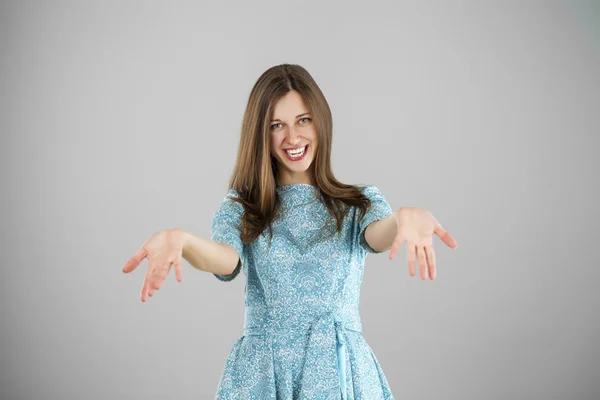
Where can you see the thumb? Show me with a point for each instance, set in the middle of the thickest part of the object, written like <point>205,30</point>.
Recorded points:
<point>135,260</point>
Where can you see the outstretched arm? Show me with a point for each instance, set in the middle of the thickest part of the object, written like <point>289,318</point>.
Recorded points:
<point>208,255</point>
<point>380,234</point>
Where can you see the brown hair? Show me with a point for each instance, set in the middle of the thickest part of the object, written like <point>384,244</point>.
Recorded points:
<point>256,170</point>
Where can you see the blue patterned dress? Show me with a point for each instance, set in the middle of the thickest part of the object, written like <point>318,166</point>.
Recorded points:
<point>302,336</point>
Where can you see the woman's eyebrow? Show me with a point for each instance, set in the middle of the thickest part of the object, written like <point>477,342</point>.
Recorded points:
<point>299,115</point>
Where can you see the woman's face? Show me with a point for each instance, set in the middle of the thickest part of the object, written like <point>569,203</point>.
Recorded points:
<point>292,128</point>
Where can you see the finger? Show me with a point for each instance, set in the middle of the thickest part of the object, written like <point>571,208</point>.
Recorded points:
<point>146,284</point>
<point>144,289</point>
<point>160,274</point>
<point>178,270</point>
<point>396,246</point>
<point>135,260</point>
<point>411,255</point>
<point>431,261</point>
<point>445,236</point>
<point>143,293</point>
<point>151,287</point>
<point>157,281</point>
<point>422,262</point>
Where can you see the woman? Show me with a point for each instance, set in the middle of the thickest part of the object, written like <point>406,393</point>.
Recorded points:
<point>301,237</point>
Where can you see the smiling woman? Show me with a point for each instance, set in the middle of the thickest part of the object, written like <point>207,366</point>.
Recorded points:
<point>299,235</point>
<point>302,335</point>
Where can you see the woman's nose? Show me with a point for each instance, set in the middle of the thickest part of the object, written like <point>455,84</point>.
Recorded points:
<point>293,137</point>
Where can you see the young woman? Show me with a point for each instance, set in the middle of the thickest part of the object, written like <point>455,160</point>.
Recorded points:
<point>300,237</point>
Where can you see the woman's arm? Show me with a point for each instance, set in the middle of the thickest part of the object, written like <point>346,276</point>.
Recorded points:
<point>380,234</point>
<point>208,255</point>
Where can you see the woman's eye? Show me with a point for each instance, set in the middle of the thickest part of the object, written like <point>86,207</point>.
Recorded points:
<point>301,119</point>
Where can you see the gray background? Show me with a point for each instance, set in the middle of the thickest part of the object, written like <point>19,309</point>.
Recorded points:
<point>119,119</point>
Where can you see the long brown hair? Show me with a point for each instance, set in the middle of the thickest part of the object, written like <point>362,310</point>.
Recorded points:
<point>255,174</point>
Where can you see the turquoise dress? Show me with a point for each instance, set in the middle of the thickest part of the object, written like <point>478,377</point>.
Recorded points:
<point>302,335</point>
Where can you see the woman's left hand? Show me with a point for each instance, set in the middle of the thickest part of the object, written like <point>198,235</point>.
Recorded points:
<point>417,226</point>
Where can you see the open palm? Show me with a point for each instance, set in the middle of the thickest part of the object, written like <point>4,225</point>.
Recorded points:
<point>416,226</point>
<point>162,250</point>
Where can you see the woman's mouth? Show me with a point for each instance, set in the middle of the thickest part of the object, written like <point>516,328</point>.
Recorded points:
<point>296,155</point>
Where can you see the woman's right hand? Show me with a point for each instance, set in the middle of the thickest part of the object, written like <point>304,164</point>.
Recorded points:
<point>162,249</point>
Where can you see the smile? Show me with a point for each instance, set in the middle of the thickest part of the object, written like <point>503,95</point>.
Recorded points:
<point>296,155</point>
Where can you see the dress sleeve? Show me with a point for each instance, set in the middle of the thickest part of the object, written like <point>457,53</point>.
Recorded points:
<point>379,209</point>
<point>225,229</point>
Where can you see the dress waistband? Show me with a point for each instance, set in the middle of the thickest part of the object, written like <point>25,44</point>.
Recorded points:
<point>326,323</point>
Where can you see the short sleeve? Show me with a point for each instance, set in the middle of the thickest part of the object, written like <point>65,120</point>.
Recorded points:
<point>379,209</point>
<point>225,229</point>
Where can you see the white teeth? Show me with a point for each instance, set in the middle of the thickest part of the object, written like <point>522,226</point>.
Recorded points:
<point>296,152</point>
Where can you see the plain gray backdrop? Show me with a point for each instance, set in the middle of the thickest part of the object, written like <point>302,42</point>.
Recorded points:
<point>119,119</point>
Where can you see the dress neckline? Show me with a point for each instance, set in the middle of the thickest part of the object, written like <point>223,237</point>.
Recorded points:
<point>297,193</point>
<point>290,186</point>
